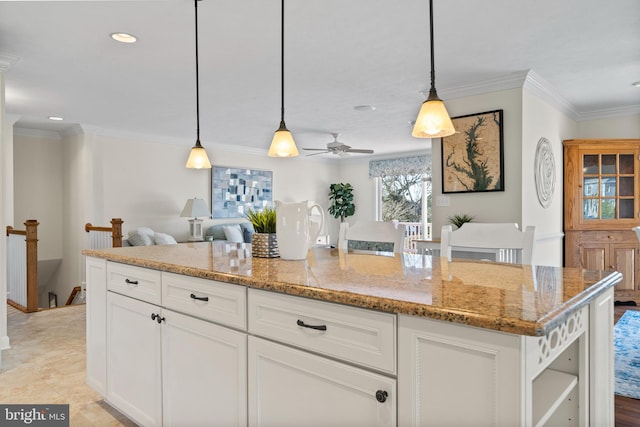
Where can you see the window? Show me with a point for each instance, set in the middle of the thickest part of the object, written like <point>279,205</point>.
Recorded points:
<point>403,192</point>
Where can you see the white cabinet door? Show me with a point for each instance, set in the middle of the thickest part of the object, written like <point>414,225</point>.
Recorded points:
<point>290,387</point>
<point>134,369</point>
<point>96,288</point>
<point>205,373</point>
<point>453,375</point>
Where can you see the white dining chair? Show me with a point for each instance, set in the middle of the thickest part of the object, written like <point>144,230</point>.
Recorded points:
<point>376,236</point>
<point>502,242</point>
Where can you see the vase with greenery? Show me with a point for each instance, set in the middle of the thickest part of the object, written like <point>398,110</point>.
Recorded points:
<point>264,243</point>
<point>459,219</point>
<point>341,197</point>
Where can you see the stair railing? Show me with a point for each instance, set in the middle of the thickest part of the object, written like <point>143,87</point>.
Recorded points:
<point>22,267</point>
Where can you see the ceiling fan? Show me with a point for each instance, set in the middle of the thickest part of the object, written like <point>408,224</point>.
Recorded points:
<point>338,148</point>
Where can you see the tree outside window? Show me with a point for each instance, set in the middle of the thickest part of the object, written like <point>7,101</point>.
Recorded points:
<point>401,197</point>
<point>403,188</point>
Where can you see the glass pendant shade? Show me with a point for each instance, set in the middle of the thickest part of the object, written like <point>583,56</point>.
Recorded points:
<point>433,120</point>
<point>198,158</point>
<point>282,144</point>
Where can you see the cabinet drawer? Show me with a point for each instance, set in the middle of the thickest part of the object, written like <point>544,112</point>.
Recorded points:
<point>219,302</point>
<point>352,334</point>
<point>137,282</point>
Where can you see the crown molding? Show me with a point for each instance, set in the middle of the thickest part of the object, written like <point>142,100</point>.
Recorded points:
<point>37,133</point>
<point>535,84</point>
<point>11,118</point>
<point>495,84</point>
<point>538,86</point>
<point>609,113</point>
<point>113,133</point>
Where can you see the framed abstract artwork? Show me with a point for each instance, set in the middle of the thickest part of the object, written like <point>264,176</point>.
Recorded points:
<point>234,191</point>
<point>472,158</point>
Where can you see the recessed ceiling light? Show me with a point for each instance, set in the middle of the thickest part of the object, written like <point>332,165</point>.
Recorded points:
<point>364,108</point>
<point>636,84</point>
<point>56,118</point>
<point>124,37</point>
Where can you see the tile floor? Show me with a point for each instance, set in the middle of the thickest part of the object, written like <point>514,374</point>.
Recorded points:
<point>46,365</point>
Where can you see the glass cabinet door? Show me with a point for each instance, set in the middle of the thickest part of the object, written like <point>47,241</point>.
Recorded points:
<point>608,183</point>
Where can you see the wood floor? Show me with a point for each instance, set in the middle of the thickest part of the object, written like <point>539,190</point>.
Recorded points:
<point>65,382</point>
<point>627,409</point>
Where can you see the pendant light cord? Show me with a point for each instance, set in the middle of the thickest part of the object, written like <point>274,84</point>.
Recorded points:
<point>197,80</point>
<point>282,63</point>
<point>433,68</point>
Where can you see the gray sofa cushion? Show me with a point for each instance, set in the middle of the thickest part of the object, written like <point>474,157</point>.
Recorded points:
<point>217,231</point>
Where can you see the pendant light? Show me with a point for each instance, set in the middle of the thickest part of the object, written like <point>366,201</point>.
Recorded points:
<point>433,120</point>
<point>282,144</point>
<point>198,158</point>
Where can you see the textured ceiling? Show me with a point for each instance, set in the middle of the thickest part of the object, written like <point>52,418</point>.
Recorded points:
<point>338,54</point>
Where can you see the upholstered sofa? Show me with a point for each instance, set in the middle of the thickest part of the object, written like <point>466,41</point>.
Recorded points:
<point>145,236</point>
<point>238,232</point>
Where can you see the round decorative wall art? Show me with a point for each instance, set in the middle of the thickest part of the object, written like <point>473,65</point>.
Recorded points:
<point>544,172</point>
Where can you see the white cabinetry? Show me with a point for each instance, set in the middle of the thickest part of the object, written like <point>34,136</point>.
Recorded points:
<point>293,386</point>
<point>205,373</point>
<point>134,365</point>
<point>96,274</point>
<point>503,379</point>
<point>168,368</point>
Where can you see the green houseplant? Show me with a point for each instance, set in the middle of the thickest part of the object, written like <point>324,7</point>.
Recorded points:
<point>264,243</point>
<point>341,197</point>
<point>459,219</point>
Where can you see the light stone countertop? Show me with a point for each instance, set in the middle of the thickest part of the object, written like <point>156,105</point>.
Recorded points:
<point>519,299</point>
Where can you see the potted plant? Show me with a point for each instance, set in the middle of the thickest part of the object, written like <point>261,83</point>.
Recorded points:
<point>459,219</point>
<point>341,197</point>
<point>264,243</point>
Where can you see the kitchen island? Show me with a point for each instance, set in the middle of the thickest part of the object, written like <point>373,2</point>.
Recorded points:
<point>202,333</point>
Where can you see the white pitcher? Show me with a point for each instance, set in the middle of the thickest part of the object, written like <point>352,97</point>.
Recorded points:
<point>295,231</point>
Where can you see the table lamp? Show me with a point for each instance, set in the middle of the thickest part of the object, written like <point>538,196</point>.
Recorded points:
<point>194,208</point>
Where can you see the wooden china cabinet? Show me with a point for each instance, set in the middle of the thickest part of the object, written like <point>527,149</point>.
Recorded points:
<point>601,205</point>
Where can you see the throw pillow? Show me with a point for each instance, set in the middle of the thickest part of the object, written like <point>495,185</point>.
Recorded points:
<point>164,239</point>
<point>146,230</point>
<point>233,233</point>
<point>136,238</point>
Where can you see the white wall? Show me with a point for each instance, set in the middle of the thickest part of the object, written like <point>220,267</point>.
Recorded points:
<point>146,183</point>
<point>613,127</point>
<point>91,177</point>
<point>6,208</point>
<point>38,183</point>
<point>76,161</point>
<point>543,120</point>
<point>496,206</point>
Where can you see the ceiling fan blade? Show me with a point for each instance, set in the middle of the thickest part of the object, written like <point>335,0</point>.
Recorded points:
<point>356,150</point>
<point>315,154</point>
<point>315,149</point>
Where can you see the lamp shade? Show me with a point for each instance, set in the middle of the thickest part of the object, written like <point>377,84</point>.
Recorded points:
<point>198,158</point>
<point>195,207</point>
<point>433,121</point>
<point>282,144</point>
